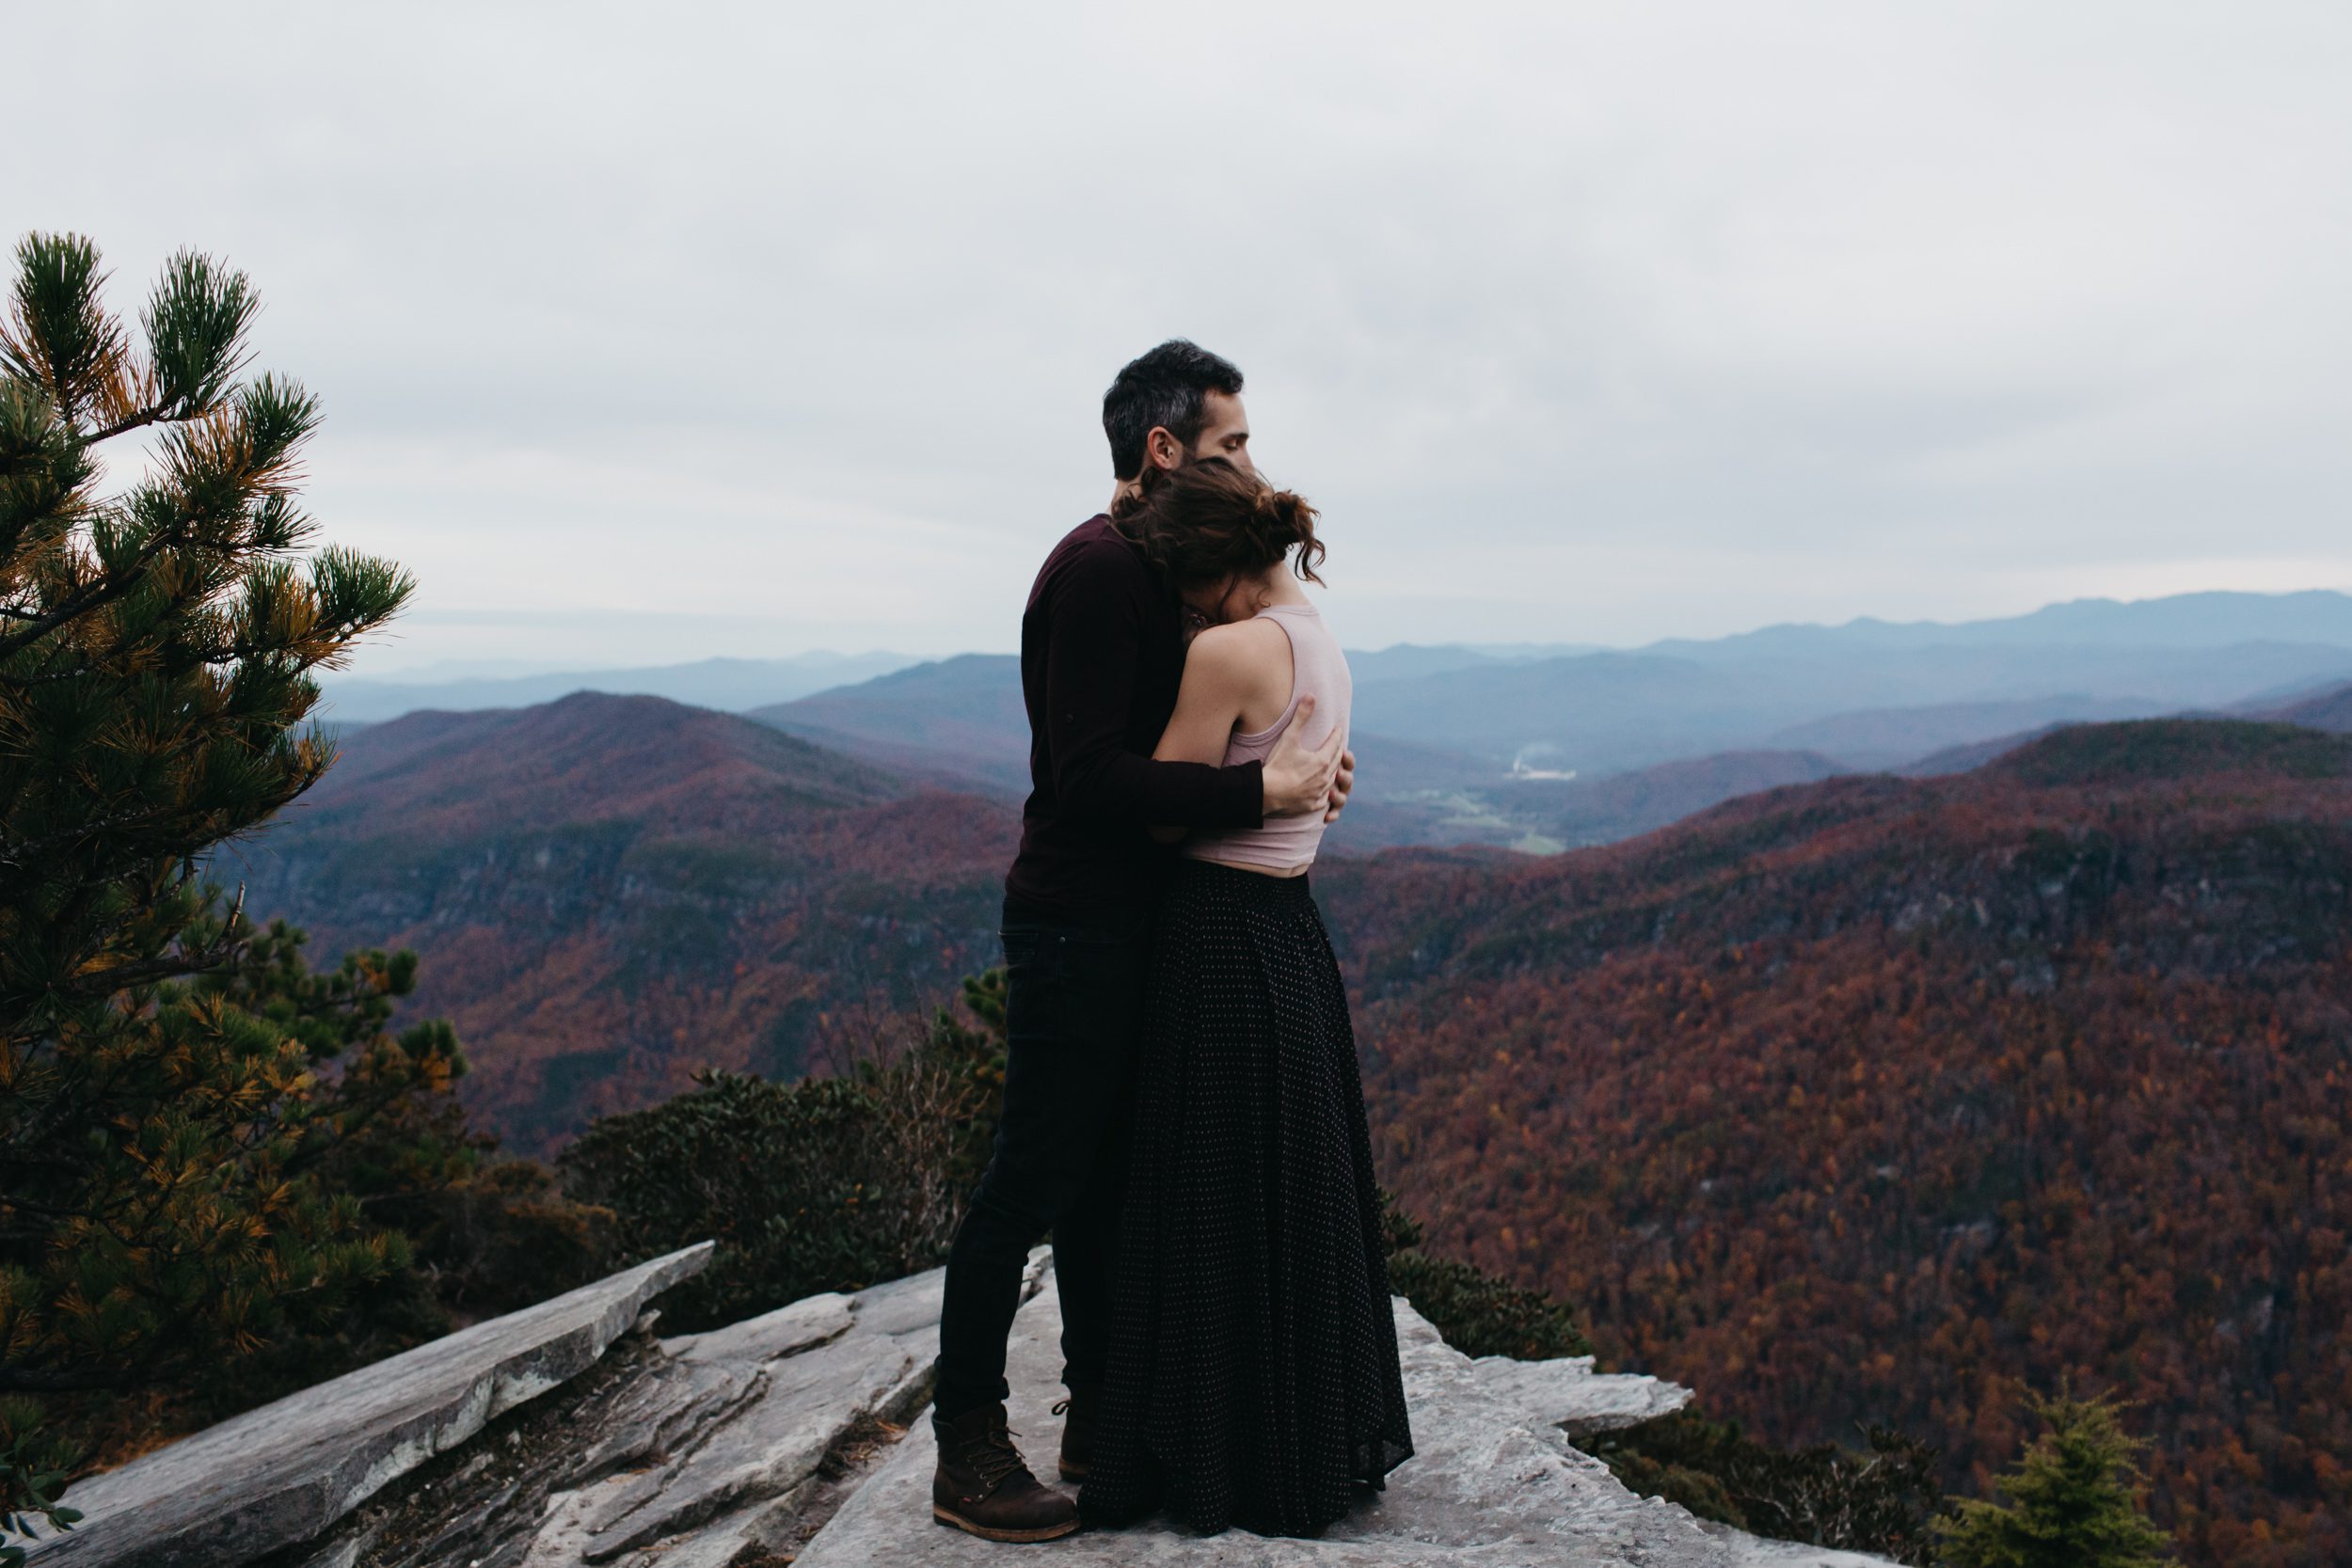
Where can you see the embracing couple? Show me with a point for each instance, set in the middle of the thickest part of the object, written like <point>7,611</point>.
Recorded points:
<point>1181,1110</point>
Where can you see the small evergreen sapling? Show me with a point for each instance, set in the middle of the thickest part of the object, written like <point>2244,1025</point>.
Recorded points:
<point>2073,1499</point>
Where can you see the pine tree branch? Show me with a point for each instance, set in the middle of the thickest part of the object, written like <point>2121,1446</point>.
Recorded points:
<point>114,586</point>
<point>139,418</point>
<point>25,855</point>
<point>25,1380</point>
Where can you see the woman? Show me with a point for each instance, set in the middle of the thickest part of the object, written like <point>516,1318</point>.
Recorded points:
<point>1253,1375</point>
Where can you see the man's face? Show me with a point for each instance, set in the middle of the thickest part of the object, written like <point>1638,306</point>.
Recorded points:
<point>1224,433</point>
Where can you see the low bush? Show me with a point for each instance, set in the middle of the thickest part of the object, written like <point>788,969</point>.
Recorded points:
<point>824,1185</point>
<point>1882,1499</point>
<point>1478,1313</point>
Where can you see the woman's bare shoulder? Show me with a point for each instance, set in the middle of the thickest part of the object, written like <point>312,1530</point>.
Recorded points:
<point>1249,659</point>
<point>1238,640</point>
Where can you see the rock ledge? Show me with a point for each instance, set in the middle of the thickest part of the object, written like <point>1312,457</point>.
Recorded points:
<point>287,1471</point>
<point>797,1436</point>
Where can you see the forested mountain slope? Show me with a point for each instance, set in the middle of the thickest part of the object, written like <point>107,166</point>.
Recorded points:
<point>1875,1098</point>
<point>957,718</point>
<point>610,892</point>
<point>2329,710</point>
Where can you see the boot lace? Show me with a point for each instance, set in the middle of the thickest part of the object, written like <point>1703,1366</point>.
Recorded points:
<point>1061,1406</point>
<point>996,1460</point>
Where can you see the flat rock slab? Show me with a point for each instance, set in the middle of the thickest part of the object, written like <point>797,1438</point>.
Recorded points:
<point>1566,1393</point>
<point>724,1449</point>
<point>810,1321</point>
<point>701,1381</point>
<point>286,1472</point>
<point>1486,1488</point>
<point>805,1404</point>
<point>909,1309</point>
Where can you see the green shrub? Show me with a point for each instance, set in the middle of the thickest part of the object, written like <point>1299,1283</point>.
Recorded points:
<point>505,1237</point>
<point>2073,1499</point>
<point>34,1461</point>
<point>1880,1499</point>
<point>784,1177</point>
<point>825,1184</point>
<point>1481,1315</point>
<point>1478,1313</point>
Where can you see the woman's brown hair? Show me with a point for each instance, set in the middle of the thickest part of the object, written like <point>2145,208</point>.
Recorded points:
<point>1212,521</point>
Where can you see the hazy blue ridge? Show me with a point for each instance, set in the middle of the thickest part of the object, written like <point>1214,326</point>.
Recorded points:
<point>729,684</point>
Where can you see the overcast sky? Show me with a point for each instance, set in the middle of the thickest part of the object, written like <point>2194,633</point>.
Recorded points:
<point>647,333</point>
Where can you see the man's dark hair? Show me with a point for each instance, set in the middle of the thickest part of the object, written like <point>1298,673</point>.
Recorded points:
<point>1163,389</point>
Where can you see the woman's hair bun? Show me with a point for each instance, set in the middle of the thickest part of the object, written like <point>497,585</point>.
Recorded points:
<point>1212,519</point>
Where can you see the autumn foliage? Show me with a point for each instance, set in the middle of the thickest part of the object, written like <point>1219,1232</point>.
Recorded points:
<point>615,893</point>
<point>1876,1100</point>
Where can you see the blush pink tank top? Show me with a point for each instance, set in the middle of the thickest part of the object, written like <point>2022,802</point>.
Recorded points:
<point>1317,666</point>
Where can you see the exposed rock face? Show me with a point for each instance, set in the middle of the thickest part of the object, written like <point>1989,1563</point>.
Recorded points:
<point>287,1471</point>
<point>1566,1393</point>
<point>740,1439</point>
<point>1753,1551</point>
<point>1489,1484</point>
<point>783,1435</point>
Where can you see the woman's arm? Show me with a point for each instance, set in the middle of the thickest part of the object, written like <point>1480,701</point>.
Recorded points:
<point>1224,667</point>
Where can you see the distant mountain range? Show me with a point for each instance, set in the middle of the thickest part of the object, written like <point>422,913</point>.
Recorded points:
<point>729,684</point>
<point>737,685</point>
<point>1609,712</point>
<point>960,721</point>
<point>2211,620</point>
<point>1447,737</point>
<point>2329,710</point>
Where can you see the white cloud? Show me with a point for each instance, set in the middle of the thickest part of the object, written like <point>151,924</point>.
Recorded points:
<point>1585,322</point>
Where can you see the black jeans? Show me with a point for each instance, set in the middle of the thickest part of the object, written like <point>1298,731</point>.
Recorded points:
<point>1073,1008</point>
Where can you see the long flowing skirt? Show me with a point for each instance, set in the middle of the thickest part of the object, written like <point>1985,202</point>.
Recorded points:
<point>1253,1375</point>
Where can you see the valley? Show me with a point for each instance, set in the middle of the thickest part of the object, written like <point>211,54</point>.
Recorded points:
<point>1879,1099</point>
<point>1853,1096</point>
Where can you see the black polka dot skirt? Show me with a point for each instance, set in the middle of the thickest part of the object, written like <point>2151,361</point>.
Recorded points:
<point>1253,1374</point>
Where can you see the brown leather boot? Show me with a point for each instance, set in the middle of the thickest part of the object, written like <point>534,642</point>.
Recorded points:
<point>1083,1408</point>
<point>982,1485</point>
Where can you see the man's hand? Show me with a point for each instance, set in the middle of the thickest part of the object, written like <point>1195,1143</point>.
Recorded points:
<point>1342,782</point>
<point>1299,779</point>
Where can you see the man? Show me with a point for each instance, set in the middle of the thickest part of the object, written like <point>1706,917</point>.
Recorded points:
<point>1102,655</point>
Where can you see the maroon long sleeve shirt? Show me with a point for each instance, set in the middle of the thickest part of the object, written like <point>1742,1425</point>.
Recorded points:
<point>1102,656</point>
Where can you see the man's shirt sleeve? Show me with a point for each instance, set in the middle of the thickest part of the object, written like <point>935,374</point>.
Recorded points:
<point>1101,613</point>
